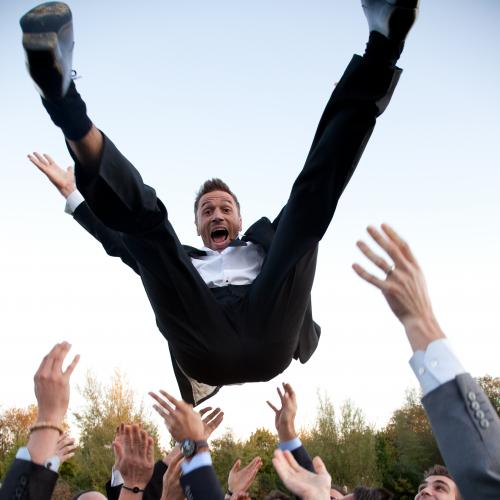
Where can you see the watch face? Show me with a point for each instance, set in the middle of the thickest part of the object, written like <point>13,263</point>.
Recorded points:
<point>188,447</point>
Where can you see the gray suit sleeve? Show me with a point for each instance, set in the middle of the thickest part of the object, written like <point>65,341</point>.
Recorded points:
<point>467,429</point>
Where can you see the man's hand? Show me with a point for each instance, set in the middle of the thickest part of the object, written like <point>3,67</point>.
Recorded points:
<point>52,394</point>
<point>211,421</point>
<point>63,180</point>
<point>65,448</point>
<point>172,489</point>
<point>181,420</point>
<point>134,450</point>
<point>241,480</point>
<point>404,287</point>
<point>284,418</point>
<point>301,482</point>
<point>52,384</point>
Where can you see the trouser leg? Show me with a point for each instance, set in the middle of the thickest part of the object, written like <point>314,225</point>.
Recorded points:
<point>344,129</point>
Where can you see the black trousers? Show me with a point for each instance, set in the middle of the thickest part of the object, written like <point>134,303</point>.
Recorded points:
<point>251,333</point>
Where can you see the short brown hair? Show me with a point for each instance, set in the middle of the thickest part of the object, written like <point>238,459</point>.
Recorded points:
<point>210,185</point>
<point>276,495</point>
<point>441,470</point>
<point>364,493</point>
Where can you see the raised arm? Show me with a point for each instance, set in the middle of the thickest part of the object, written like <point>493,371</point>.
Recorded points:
<point>466,425</point>
<point>284,420</point>
<point>64,182</point>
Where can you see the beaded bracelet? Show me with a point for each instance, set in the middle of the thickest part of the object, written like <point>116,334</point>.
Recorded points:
<point>46,425</point>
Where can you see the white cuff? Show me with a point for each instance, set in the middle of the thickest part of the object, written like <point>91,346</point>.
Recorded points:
<point>200,460</point>
<point>116,477</point>
<point>436,366</point>
<point>290,445</point>
<point>52,463</point>
<point>72,201</point>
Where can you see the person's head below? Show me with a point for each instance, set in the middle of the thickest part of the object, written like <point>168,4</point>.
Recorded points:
<point>337,491</point>
<point>89,495</point>
<point>437,484</point>
<point>277,495</point>
<point>217,214</point>
<point>364,493</point>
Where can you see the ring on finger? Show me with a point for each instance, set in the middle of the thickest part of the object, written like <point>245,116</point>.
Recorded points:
<point>389,271</point>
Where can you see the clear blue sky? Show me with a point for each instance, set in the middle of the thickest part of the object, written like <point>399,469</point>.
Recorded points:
<point>190,90</point>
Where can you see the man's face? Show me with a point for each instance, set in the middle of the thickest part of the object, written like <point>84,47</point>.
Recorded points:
<point>437,488</point>
<point>218,220</point>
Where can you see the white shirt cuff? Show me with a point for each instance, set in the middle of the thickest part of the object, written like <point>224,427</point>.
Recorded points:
<point>436,366</point>
<point>290,445</point>
<point>53,463</point>
<point>200,460</point>
<point>72,201</point>
<point>116,477</point>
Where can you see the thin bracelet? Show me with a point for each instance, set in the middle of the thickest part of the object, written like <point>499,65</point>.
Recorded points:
<point>135,489</point>
<point>46,425</point>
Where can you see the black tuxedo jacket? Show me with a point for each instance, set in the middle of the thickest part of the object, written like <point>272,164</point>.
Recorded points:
<point>260,233</point>
<point>26,480</point>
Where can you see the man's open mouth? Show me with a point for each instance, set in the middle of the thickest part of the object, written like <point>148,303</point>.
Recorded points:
<point>219,235</point>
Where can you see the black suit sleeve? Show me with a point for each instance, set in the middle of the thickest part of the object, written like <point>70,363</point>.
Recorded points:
<point>303,459</point>
<point>112,241</point>
<point>467,429</point>
<point>202,484</point>
<point>113,492</point>
<point>26,480</point>
<point>154,488</point>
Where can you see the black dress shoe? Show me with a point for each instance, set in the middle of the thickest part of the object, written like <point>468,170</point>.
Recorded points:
<point>48,44</point>
<point>391,18</point>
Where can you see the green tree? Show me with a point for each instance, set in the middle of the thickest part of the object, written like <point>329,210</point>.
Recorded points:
<point>14,430</point>
<point>406,447</point>
<point>346,444</point>
<point>491,386</point>
<point>105,408</point>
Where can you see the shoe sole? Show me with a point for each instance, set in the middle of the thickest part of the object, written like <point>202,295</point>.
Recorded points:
<point>45,18</point>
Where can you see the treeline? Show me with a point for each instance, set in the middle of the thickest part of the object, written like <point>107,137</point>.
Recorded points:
<point>354,452</point>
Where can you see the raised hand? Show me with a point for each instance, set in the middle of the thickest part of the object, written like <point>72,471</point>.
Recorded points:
<point>181,420</point>
<point>284,417</point>
<point>212,420</point>
<point>404,287</point>
<point>52,384</point>
<point>301,482</point>
<point>65,448</point>
<point>52,393</point>
<point>172,489</point>
<point>134,449</point>
<point>240,480</point>
<point>63,180</point>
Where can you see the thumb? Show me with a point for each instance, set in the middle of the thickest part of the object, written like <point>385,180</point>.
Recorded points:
<point>319,466</point>
<point>236,466</point>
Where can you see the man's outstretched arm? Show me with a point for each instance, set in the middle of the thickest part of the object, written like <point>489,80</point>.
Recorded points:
<point>464,422</point>
<point>64,182</point>
<point>284,420</point>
